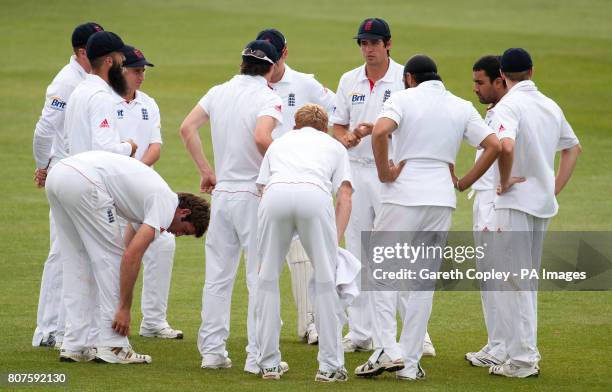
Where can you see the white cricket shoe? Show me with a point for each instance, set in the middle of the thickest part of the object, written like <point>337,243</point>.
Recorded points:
<point>351,347</point>
<point>121,355</point>
<point>225,364</point>
<point>482,359</point>
<point>58,345</point>
<point>164,333</point>
<point>339,375</point>
<point>510,370</point>
<point>403,376</point>
<point>382,364</point>
<point>256,370</point>
<point>312,336</point>
<point>275,373</point>
<point>85,355</point>
<point>428,347</point>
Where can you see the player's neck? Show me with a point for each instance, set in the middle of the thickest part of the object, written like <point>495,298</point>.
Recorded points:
<point>378,71</point>
<point>130,96</point>
<point>279,76</point>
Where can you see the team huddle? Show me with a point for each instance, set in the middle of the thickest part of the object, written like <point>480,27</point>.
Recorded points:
<point>283,188</point>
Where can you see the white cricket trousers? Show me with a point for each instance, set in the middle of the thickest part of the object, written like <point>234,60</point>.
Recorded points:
<point>307,210</point>
<point>50,315</point>
<point>483,212</point>
<point>366,203</point>
<point>91,246</point>
<point>232,230</point>
<point>414,306</point>
<point>517,310</point>
<point>157,264</point>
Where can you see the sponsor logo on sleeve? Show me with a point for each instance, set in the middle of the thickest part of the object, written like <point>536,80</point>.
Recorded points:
<point>57,103</point>
<point>501,128</point>
<point>104,124</point>
<point>278,108</point>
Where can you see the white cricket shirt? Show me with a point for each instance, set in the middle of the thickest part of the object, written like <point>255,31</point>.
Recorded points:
<point>90,119</point>
<point>233,108</point>
<point>139,120</point>
<point>358,100</point>
<point>48,143</point>
<point>487,181</point>
<point>140,195</point>
<point>295,90</point>
<point>432,123</point>
<point>539,128</point>
<point>306,155</point>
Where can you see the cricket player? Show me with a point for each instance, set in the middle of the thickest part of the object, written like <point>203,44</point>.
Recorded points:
<point>359,99</point>
<point>138,119</point>
<point>490,88</point>
<point>532,128</point>
<point>48,146</point>
<point>87,192</point>
<point>301,171</point>
<point>428,124</point>
<point>296,89</point>
<point>90,117</point>
<point>242,112</point>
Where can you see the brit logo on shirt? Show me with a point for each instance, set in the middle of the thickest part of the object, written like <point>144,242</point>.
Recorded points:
<point>145,114</point>
<point>291,100</point>
<point>387,95</point>
<point>120,114</point>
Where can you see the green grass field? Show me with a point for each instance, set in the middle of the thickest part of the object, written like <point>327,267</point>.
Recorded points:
<point>196,44</point>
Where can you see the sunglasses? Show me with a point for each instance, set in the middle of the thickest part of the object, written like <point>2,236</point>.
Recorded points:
<point>258,54</point>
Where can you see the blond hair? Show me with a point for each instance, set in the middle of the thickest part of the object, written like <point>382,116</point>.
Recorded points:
<point>311,115</point>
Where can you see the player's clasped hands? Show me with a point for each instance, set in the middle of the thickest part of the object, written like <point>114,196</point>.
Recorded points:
<point>503,188</point>
<point>40,176</point>
<point>208,182</point>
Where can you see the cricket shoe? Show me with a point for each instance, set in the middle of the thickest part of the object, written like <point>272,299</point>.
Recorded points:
<point>428,348</point>
<point>85,355</point>
<point>382,364</point>
<point>121,355</point>
<point>164,333</point>
<point>482,359</point>
<point>312,336</point>
<point>339,375</point>
<point>274,373</point>
<point>58,345</point>
<point>226,363</point>
<point>49,342</point>
<point>256,370</point>
<point>510,370</point>
<point>402,375</point>
<point>351,347</point>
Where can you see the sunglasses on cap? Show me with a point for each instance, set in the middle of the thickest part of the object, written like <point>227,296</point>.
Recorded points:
<point>257,53</point>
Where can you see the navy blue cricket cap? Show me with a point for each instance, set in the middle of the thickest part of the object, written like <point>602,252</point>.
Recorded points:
<point>373,28</point>
<point>260,52</point>
<point>82,32</point>
<point>420,64</point>
<point>134,58</point>
<point>516,60</point>
<point>102,43</point>
<point>274,37</point>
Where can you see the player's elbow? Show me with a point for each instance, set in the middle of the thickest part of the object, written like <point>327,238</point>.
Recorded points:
<point>507,147</point>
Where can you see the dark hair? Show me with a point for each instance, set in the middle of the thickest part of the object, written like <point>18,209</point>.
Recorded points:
<point>255,69</point>
<point>385,41</point>
<point>425,76</point>
<point>200,211</point>
<point>490,65</point>
<point>97,62</point>
<point>517,76</point>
